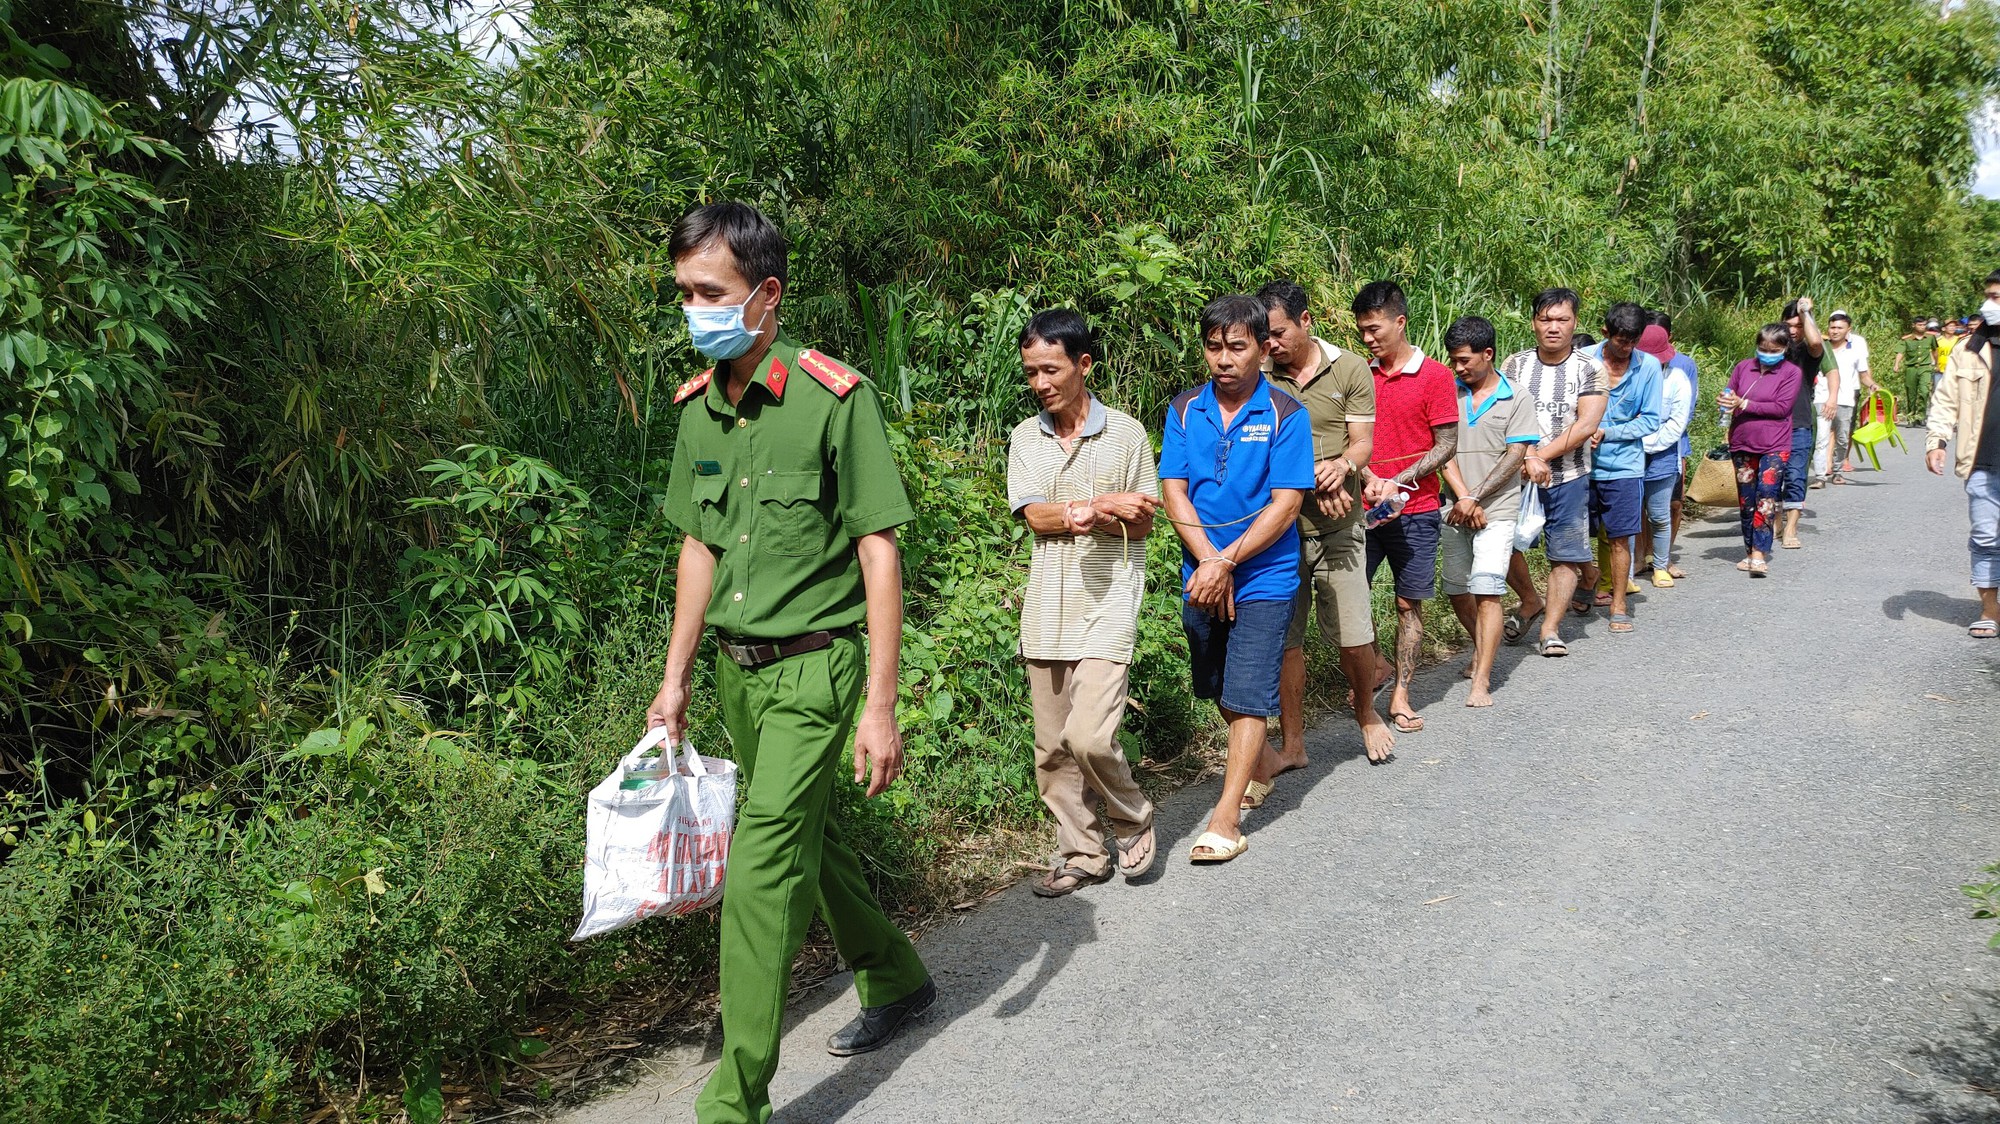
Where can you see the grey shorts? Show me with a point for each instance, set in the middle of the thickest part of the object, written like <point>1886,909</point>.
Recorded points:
<point>1333,585</point>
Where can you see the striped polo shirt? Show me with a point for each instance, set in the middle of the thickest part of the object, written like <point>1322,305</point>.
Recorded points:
<point>1556,388</point>
<point>1083,590</point>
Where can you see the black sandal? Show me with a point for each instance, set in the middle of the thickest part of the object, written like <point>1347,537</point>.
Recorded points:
<point>1047,888</point>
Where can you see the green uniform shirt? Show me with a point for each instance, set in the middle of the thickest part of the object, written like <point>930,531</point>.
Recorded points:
<point>779,486</point>
<point>1918,355</point>
<point>1338,391</point>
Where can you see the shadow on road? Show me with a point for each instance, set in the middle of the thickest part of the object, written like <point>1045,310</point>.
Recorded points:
<point>1964,1072</point>
<point>968,974</point>
<point>1931,605</point>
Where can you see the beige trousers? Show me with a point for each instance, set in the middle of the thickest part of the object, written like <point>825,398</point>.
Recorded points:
<point>1078,706</point>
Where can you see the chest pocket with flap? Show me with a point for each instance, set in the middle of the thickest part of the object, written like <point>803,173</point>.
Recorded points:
<point>710,493</point>
<point>789,520</point>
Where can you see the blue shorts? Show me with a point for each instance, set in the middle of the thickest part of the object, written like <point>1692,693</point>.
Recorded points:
<point>1237,662</point>
<point>1409,543</point>
<point>1566,535</point>
<point>1618,507</point>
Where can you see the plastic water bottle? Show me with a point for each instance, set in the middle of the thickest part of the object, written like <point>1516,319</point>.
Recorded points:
<point>1726,413</point>
<point>1386,510</point>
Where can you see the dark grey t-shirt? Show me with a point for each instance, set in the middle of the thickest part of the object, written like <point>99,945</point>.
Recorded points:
<point>1809,365</point>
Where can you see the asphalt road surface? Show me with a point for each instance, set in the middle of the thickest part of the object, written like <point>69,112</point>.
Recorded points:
<point>1707,871</point>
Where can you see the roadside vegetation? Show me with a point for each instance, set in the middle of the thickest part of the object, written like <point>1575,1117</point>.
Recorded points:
<point>336,351</point>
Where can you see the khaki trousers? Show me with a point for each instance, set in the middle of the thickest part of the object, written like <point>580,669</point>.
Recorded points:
<point>1078,706</point>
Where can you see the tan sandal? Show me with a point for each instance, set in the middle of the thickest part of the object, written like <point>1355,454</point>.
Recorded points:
<point>1219,850</point>
<point>1255,795</point>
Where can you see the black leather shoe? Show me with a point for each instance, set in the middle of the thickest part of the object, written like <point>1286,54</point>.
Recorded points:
<point>874,1027</point>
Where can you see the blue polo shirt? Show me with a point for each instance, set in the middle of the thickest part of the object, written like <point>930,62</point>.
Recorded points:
<point>1231,472</point>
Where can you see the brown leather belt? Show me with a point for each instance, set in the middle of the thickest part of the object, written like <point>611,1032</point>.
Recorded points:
<point>757,653</point>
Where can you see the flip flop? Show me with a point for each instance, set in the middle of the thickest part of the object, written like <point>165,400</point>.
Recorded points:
<point>1621,622</point>
<point>1219,850</point>
<point>1145,864</point>
<point>1675,572</point>
<point>1744,565</point>
<point>1397,717</point>
<point>1255,795</point>
<point>1552,647</point>
<point>1046,888</point>
<point>1580,608</point>
<point>1662,580</point>
<point>1760,568</point>
<point>1516,625</point>
<point>1984,629</point>
<point>1603,598</point>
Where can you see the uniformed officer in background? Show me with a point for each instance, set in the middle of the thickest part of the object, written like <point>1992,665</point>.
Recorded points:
<point>783,482</point>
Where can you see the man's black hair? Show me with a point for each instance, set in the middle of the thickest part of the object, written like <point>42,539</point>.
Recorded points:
<point>1233,309</point>
<point>1064,326</point>
<point>1659,318</point>
<point>1840,316</point>
<point>1549,298</point>
<point>759,247</point>
<point>1381,296</point>
<point>1475,332</point>
<point>1288,295</point>
<point>1582,340</point>
<point>1625,320</point>
<point>1992,278</point>
<point>1791,309</point>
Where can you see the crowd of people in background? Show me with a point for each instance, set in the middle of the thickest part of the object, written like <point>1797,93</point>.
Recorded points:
<point>1300,468</point>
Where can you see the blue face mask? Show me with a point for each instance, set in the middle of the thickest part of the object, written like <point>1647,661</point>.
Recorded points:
<point>718,331</point>
<point>1770,358</point>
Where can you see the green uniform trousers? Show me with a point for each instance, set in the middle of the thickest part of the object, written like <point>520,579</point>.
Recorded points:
<point>1917,390</point>
<point>791,722</point>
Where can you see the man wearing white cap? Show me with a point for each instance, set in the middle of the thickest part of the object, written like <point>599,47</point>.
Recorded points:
<point>1850,353</point>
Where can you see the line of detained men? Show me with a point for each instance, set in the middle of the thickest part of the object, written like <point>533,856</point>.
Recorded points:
<point>789,499</point>
<point>1290,477</point>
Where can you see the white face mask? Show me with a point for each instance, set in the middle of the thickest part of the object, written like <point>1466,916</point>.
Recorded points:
<point>1990,312</point>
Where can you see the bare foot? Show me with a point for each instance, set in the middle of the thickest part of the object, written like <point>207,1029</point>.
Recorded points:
<point>1278,761</point>
<point>1380,743</point>
<point>1480,696</point>
<point>1466,671</point>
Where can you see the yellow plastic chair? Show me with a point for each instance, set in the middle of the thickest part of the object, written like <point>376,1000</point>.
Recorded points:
<point>1875,423</point>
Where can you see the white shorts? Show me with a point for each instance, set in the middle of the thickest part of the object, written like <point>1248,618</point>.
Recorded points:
<point>1475,562</point>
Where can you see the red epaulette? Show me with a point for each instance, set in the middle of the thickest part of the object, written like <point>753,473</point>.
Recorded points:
<point>693,386</point>
<point>828,373</point>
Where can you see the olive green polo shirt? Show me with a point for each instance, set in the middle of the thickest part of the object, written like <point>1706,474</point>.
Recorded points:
<point>779,486</point>
<point>1337,391</point>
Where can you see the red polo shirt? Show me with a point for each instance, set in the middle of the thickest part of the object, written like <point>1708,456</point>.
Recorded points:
<point>1408,402</point>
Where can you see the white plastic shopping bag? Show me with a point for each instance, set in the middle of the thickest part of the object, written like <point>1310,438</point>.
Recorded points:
<point>658,834</point>
<point>1528,526</point>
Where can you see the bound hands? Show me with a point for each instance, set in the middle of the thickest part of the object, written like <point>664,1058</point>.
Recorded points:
<point>1330,488</point>
<point>1467,513</point>
<point>1212,588</point>
<point>1375,489</point>
<point>1536,470</point>
<point>1106,511</point>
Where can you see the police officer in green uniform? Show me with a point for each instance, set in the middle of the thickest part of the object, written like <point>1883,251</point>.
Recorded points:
<point>783,483</point>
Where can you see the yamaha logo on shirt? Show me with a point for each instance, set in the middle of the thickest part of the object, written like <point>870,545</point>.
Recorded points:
<point>1256,431</point>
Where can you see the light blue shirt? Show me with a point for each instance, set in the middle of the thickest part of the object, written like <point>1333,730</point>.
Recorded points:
<point>1632,411</point>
